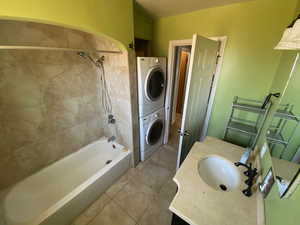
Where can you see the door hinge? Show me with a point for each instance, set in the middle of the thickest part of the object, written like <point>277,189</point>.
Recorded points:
<point>218,58</point>
<point>131,45</point>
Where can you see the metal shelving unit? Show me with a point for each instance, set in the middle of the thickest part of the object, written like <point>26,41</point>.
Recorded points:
<point>251,128</point>
<point>276,132</point>
<point>244,128</point>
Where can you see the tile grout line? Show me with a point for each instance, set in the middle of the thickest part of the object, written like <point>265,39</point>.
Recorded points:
<point>91,220</point>
<point>113,200</point>
<point>156,193</point>
<point>112,197</point>
<point>162,166</point>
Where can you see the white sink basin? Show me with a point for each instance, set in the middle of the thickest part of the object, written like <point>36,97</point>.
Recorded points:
<point>219,173</point>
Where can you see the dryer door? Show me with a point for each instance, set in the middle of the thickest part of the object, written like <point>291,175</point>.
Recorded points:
<point>155,84</point>
<point>155,132</point>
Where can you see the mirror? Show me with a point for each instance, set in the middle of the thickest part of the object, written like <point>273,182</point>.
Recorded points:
<point>283,127</point>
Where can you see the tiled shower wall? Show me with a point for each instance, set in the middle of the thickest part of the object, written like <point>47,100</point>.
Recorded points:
<point>49,106</point>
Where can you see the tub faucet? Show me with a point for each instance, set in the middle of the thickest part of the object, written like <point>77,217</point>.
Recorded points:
<point>111,119</point>
<point>110,139</point>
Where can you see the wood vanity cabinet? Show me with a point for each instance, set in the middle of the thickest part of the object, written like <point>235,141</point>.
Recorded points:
<point>176,220</point>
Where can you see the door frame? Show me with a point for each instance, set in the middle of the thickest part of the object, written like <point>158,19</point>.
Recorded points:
<point>171,79</point>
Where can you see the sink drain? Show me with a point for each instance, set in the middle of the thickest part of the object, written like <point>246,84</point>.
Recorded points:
<point>108,162</point>
<point>223,187</point>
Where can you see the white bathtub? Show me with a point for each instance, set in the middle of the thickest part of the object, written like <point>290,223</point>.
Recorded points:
<point>61,191</point>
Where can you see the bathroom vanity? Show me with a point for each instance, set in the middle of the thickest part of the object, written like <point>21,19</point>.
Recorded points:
<point>210,188</point>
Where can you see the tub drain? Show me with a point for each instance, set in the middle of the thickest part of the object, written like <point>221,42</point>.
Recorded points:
<point>223,187</point>
<point>108,162</point>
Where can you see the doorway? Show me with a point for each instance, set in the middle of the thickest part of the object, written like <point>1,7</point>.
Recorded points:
<point>181,53</point>
<point>182,60</point>
<point>142,47</point>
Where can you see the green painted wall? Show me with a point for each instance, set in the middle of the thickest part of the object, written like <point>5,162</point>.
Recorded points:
<point>253,28</point>
<point>298,8</point>
<point>113,18</point>
<point>143,23</point>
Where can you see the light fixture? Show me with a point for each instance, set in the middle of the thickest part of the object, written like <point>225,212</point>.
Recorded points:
<point>291,37</point>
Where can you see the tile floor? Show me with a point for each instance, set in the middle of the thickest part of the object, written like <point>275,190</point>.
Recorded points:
<point>140,197</point>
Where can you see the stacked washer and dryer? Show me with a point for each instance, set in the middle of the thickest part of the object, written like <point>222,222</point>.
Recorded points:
<point>151,91</point>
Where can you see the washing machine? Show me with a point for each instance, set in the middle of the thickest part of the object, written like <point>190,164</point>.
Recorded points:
<point>151,133</point>
<point>152,82</point>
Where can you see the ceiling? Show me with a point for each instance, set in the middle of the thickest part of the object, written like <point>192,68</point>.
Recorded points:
<point>163,8</point>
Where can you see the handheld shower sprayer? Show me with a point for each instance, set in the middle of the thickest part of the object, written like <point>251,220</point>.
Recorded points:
<point>103,90</point>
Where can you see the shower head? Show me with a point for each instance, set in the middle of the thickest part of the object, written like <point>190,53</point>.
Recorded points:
<point>83,54</point>
<point>86,55</point>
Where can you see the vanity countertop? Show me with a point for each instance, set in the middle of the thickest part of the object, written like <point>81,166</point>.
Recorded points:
<point>199,204</point>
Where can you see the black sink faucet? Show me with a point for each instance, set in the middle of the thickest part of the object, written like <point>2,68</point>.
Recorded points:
<point>250,173</point>
<point>242,164</point>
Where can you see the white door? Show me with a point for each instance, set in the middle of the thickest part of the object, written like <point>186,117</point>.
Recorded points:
<point>199,82</point>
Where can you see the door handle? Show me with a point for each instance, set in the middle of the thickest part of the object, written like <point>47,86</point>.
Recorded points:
<point>185,133</point>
